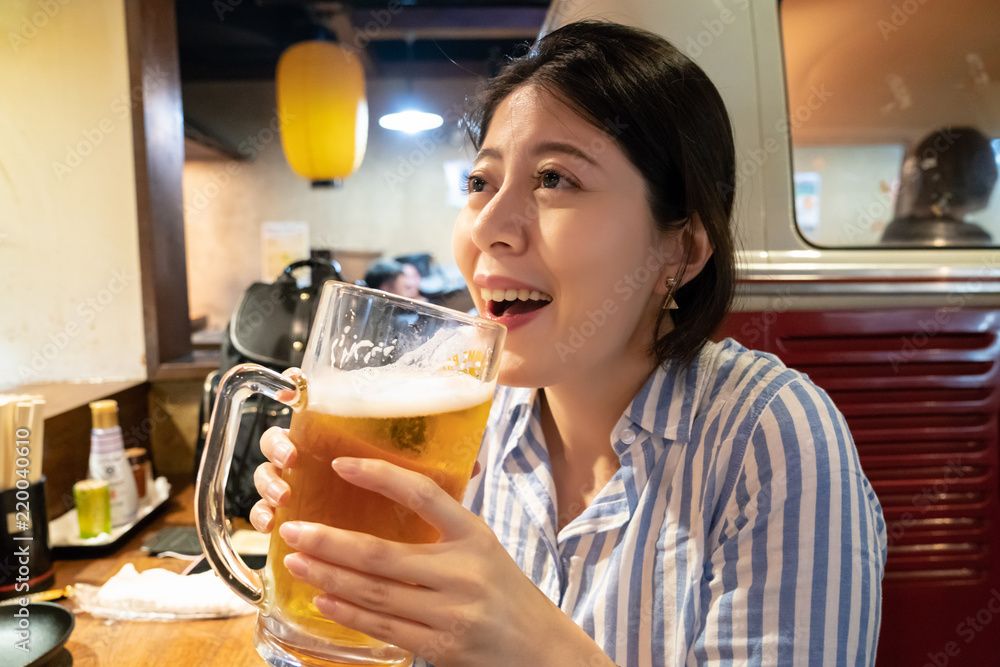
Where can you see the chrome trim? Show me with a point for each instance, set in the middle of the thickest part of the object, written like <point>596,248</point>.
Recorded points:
<point>923,575</point>
<point>854,273</point>
<point>762,279</point>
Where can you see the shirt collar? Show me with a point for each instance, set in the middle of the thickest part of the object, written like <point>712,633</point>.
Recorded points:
<point>667,404</point>
<point>665,407</point>
<point>519,405</point>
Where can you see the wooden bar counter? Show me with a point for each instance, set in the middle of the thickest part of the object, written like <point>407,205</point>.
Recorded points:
<point>97,641</point>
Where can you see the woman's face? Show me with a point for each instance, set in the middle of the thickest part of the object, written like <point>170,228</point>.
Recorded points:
<point>557,242</point>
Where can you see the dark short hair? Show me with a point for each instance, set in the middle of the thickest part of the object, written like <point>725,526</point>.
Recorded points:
<point>956,165</point>
<point>670,121</point>
<point>382,272</point>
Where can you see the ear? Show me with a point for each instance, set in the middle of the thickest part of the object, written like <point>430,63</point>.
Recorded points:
<point>692,242</point>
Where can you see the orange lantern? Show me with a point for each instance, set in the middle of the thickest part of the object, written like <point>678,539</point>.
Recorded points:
<point>322,110</point>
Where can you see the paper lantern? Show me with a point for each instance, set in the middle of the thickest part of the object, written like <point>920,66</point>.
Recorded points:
<point>322,110</point>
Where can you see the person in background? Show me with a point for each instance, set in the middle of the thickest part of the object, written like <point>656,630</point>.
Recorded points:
<point>391,276</point>
<point>646,496</point>
<point>951,173</point>
<point>411,283</point>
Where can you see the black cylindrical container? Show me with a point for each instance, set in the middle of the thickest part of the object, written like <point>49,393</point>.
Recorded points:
<point>25,557</point>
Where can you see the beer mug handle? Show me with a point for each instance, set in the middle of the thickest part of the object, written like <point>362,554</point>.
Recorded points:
<point>235,388</point>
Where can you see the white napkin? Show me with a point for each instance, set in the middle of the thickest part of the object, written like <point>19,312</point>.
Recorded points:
<point>160,595</point>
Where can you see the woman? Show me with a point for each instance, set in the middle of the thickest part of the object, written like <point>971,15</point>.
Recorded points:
<point>645,497</point>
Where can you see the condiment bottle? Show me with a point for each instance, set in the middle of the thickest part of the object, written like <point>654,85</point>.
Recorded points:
<point>139,460</point>
<point>108,462</point>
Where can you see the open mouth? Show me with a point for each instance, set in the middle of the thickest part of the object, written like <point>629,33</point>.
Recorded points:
<point>514,302</point>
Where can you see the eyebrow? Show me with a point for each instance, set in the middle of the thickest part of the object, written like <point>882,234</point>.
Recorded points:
<point>543,147</point>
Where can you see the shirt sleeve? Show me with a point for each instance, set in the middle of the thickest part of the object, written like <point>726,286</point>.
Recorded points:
<point>793,577</point>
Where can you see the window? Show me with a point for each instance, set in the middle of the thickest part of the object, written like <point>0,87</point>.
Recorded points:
<point>895,121</point>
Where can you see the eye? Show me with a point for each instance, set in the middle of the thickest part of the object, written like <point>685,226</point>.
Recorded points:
<point>550,179</point>
<point>472,184</point>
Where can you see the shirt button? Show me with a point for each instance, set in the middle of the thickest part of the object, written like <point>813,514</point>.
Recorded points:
<point>627,436</point>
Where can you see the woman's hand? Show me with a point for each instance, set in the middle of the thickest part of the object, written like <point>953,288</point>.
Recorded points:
<point>459,601</point>
<point>273,490</point>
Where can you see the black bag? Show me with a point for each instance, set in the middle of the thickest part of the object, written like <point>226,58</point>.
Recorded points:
<point>269,327</point>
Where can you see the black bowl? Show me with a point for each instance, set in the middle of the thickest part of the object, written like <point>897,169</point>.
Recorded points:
<point>40,627</point>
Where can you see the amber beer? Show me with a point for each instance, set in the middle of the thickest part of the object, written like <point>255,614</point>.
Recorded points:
<point>431,425</point>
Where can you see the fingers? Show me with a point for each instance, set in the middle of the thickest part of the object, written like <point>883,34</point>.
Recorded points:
<point>278,449</point>
<point>384,627</point>
<point>411,490</point>
<point>262,517</point>
<point>377,594</point>
<point>357,551</point>
<point>475,470</point>
<point>272,489</point>
<point>288,395</point>
<point>378,607</point>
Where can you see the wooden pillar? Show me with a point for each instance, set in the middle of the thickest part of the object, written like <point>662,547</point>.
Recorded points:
<point>158,137</point>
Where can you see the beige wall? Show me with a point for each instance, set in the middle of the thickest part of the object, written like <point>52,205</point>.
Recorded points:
<point>69,263</point>
<point>394,204</point>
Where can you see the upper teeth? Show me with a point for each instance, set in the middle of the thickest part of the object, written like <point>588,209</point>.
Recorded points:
<point>514,294</point>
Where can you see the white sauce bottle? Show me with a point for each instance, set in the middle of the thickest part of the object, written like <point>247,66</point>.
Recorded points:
<point>108,461</point>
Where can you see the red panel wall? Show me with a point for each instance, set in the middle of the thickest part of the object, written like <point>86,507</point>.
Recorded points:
<point>920,390</point>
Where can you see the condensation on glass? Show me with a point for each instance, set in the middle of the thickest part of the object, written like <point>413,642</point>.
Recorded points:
<point>894,109</point>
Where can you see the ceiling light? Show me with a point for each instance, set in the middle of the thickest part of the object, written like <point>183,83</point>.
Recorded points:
<point>410,121</point>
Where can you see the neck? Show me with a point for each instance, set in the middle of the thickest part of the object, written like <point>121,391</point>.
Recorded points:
<point>579,412</point>
<point>578,415</point>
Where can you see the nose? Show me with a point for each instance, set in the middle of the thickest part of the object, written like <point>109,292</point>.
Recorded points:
<point>502,225</point>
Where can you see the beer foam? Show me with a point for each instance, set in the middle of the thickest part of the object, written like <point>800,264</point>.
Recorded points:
<point>384,393</point>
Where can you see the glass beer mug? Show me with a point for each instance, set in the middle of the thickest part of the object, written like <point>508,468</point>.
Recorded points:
<point>382,377</point>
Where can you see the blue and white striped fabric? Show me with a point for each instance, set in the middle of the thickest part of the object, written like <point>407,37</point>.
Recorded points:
<point>739,529</point>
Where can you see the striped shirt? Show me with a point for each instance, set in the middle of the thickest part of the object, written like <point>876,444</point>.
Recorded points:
<point>739,529</point>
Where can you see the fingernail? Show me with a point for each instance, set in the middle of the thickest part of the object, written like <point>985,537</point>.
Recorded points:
<point>346,466</point>
<point>265,518</point>
<point>296,565</point>
<point>290,533</point>
<point>276,490</point>
<point>325,604</point>
<point>282,451</point>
